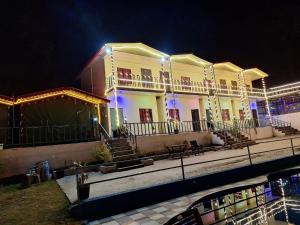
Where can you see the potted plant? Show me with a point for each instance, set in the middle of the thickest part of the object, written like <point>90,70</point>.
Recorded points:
<point>83,189</point>
<point>103,155</point>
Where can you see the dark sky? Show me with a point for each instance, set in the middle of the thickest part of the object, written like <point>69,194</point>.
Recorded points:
<point>45,44</point>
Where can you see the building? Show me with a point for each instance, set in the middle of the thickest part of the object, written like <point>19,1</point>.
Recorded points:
<point>145,85</point>
<point>53,116</point>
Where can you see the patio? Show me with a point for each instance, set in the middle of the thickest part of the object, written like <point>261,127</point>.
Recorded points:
<point>68,183</point>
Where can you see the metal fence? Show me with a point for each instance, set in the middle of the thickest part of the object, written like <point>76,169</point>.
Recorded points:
<point>251,156</point>
<point>44,135</point>
<point>171,127</point>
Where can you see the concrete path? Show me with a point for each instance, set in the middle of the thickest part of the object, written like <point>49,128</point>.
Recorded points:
<point>68,183</point>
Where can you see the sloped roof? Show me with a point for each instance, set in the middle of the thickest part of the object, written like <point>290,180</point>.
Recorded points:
<point>137,49</point>
<point>227,66</point>
<point>68,91</point>
<point>5,100</point>
<point>190,59</point>
<point>255,73</point>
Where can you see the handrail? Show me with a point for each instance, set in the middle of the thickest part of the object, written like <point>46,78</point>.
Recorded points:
<point>167,127</point>
<point>280,123</point>
<point>105,134</point>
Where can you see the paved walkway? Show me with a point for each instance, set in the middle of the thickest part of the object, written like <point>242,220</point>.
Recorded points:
<point>162,212</point>
<point>68,184</point>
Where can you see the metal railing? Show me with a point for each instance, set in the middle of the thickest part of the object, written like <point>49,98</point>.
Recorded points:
<point>44,135</point>
<point>155,83</point>
<point>280,123</point>
<point>246,155</point>
<point>170,127</point>
<point>104,134</point>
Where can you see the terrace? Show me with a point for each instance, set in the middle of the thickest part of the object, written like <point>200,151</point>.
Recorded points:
<point>156,84</point>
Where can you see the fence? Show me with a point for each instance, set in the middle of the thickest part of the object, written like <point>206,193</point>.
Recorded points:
<point>247,154</point>
<point>43,135</point>
<point>171,127</point>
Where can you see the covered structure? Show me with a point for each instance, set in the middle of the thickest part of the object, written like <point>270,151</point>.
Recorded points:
<point>56,115</point>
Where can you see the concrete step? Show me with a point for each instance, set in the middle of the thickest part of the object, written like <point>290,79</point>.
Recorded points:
<point>120,148</point>
<point>130,167</point>
<point>128,163</point>
<point>122,153</point>
<point>124,157</point>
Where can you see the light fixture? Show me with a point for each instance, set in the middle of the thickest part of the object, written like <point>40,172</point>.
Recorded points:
<point>108,50</point>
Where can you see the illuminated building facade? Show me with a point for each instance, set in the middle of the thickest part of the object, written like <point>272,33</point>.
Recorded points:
<point>146,85</point>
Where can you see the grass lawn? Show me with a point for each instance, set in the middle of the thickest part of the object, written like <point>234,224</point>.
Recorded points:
<point>40,204</point>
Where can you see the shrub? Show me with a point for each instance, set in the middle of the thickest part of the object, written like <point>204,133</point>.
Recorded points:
<point>103,154</point>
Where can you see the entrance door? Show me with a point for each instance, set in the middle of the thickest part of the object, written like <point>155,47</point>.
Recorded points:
<point>254,116</point>
<point>113,121</point>
<point>196,119</point>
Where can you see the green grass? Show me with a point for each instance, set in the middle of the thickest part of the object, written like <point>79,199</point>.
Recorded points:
<point>39,204</point>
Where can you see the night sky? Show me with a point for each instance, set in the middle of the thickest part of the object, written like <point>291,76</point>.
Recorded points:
<point>45,44</point>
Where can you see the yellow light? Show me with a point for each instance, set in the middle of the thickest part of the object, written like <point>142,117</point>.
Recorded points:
<point>191,57</point>
<point>143,48</point>
<point>70,93</point>
<point>6,102</point>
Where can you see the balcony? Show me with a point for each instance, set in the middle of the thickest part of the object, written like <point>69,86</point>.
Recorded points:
<point>157,84</point>
<point>284,90</point>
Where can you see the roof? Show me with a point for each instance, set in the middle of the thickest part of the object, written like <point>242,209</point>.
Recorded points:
<point>190,59</point>
<point>68,91</point>
<point>5,100</point>
<point>255,73</point>
<point>228,66</point>
<point>137,49</point>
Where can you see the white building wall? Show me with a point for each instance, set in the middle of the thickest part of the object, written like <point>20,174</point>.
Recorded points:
<point>185,103</point>
<point>131,102</point>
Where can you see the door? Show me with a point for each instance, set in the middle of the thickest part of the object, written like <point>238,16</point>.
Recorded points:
<point>255,117</point>
<point>113,121</point>
<point>196,119</point>
<point>223,86</point>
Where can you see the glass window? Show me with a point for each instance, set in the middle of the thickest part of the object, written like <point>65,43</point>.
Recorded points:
<point>174,114</point>
<point>146,115</point>
<point>124,76</point>
<point>225,115</point>
<point>147,77</point>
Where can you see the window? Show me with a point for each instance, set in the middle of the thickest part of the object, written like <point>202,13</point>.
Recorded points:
<point>242,114</point>
<point>225,115</point>
<point>223,86</point>
<point>234,85</point>
<point>146,115</point>
<point>124,76</point>
<point>207,83</point>
<point>174,114</point>
<point>248,88</point>
<point>165,75</point>
<point>186,83</point>
<point>147,77</point>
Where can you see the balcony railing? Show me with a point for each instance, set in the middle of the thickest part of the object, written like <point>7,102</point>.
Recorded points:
<point>284,90</point>
<point>154,83</point>
<point>171,127</point>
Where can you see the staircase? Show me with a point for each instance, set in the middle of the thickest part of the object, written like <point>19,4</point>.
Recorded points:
<point>287,130</point>
<point>232,136</point>
<point>284,127</point>
<point>123,154</point>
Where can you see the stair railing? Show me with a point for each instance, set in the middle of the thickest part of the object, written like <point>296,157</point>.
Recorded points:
<point>280,123</point>
<point>130,135</point>
<point>104,134</point>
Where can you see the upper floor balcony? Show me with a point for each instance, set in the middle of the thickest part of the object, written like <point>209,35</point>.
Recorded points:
<point>284,90</point>
<point>185,86</point>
